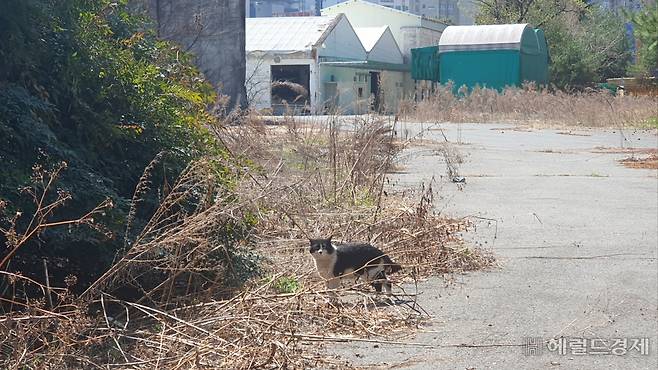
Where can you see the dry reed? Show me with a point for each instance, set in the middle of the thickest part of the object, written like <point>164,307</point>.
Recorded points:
<point>220,276</point>
<point>535,107</point>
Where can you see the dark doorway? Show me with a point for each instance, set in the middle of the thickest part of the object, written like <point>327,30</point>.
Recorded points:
<point>374,90</point>
<point>290,87</point>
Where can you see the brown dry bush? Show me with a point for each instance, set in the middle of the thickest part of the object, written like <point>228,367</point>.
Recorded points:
<point>532,106</point>
<point>220,276</point>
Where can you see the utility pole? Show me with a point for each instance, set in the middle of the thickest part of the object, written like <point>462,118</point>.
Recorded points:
<point>318,7</point>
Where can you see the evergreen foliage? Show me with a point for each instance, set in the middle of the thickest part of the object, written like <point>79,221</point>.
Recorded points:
<point>87,82</point>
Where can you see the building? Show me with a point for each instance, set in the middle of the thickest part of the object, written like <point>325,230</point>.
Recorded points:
<point>320,64</point>
<point>492,56</point>
<point>438,9</point>
<point>409,30</point>
<point>280,8</point>
<point>380,45</point>
<point>447,10</point>
<point>450,11</point>
<point>206,28</point>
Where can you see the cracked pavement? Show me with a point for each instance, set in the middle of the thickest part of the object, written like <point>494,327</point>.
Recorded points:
<point>576,236</point>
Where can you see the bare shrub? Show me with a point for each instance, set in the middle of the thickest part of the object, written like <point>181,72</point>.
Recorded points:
<point>46,200</point>
<point>221,277</point>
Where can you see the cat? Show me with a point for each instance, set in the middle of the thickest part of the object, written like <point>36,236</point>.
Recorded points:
<point>336,262</point>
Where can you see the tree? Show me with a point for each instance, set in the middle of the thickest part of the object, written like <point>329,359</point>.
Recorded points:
<point>586,43</point>
<point>523,11</point>
<point>645,25</point>
<point>88,83</point>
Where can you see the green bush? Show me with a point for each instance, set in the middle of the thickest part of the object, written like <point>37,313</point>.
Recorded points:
<point>87,82</point>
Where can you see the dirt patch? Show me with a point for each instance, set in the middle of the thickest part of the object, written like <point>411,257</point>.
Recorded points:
<point>649,162</point>
<point>551,151</point>
<point>603,149</point>
<point>571,133</point>
<point>517,128</point>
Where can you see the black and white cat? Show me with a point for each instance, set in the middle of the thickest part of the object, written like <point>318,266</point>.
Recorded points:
<point>351,262</point>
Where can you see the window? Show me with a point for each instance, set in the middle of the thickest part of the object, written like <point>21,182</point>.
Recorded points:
<point>361,77</point>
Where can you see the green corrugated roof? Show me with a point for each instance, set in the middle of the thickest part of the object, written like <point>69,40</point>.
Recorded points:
<point>425,63</point>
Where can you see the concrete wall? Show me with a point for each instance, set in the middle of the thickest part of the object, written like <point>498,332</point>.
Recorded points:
<point>349,80</point>
<point>418,37</point>
<point>393,89</point>
<point>213,30</point>
<point>347,88</point>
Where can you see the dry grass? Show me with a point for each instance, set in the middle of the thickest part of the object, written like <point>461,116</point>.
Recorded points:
<point>220,276</point>
<point>539,108</point>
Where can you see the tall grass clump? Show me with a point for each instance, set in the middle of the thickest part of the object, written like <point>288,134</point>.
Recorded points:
<point>219,274</point>
<point>532,106</point>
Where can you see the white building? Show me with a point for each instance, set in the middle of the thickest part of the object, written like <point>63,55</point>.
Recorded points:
<point>380,44</point>
<point>317,64</point>
<point>438,9</point>
<point>279,8</point>
<point>409,30</point>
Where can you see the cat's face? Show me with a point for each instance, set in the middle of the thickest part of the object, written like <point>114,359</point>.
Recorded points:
<point>321,246</point>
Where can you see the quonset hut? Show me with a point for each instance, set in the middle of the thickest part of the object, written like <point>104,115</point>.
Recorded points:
<point>492,56</point>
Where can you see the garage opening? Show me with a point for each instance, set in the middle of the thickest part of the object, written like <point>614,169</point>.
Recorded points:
<point>290,88</point>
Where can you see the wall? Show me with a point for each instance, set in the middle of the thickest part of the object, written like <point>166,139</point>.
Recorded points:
<point>431,8</point>
<point>342,43</point>
<point>347,88</point>
<point>391,87</point>
<point>416,37</point>
<point>277,8</point>
<point>494,69</point>
<point>259,76</point>
<point>443,9</point>
<point>214,31</point>
<point>386,50</point>
<point>534,56</point>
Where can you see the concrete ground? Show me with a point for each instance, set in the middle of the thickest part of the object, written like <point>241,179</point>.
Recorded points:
<point>576,235</point>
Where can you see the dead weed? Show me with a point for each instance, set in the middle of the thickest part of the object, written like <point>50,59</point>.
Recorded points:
<point>220,276</point>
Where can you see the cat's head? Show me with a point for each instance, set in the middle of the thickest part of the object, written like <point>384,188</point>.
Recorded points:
<point>321,246</point>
